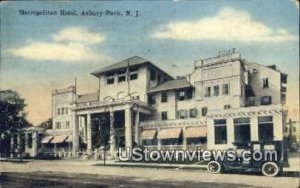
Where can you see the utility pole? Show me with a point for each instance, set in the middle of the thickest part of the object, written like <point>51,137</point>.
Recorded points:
<point>128,78</point>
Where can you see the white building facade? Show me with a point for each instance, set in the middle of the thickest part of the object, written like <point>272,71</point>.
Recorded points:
<point>225,100</point>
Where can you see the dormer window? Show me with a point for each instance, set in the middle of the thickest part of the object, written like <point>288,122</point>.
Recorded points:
<point>152,75</point>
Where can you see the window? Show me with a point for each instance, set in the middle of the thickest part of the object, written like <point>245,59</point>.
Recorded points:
<point>189,93</point>
<point>57,125</point>
<point>204,111</point>
<point>216,90</point>
<point>182,114</point>
<point>62,111</point>
<point>164,115</point>
<point>67,124</point>
<point>196,141</point>
<point>294,129</point>
<point>185,94</point>
<point>152,75</point>
<point>265,83</point>
<point>122,75</point>
<point>227,106</point>
<point>207,92</point>
<point>133,73</point>
<point>181,95</point>
<point>171,141</point>
<point>164,97</point>
<point>151,99</point>
<point>225,89</point>
<point>220,131</point>
<point>58,111</point>
<point>158,78</point>
<point>266,100</point>
<point>193,113</point>
<point>133,76</point>
<point>242,129</point>
<point>265,128</point>
<point>110,79</point>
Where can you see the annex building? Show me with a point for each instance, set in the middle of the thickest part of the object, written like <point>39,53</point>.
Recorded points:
<point>225,100</point>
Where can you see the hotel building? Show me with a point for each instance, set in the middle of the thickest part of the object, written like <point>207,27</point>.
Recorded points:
<point>225,100</point>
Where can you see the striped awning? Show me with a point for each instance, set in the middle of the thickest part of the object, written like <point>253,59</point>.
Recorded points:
<point>46,139</point>
<point>195,132</point>
<point>169,133</point>
<point>148,134</point>
<point>59,139</point>
<point>69,139</point>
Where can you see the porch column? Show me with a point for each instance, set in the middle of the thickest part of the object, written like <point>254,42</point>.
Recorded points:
<point>158,142</point>
<point>34,143</point>
<point>137,130</point>
<point>128,127</point>
<point>89,133</point>
<point>112,139</point>
<point>26,141</point>
<point>75,128</point>
<point>19,145</point>
<point>12,146</point>
<point>184,141</point>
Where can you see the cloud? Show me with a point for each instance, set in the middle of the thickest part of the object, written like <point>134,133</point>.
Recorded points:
<point>78,34</point>
<point>43,51</point>
<point>69,45</point>
<point>228,25</point>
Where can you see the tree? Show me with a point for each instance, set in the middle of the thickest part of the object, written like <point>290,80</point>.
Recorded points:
<point>46,124</point>
<point>12,117</point>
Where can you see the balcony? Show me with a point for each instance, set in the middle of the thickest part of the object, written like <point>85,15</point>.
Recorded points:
<point>113,102</point>
<point>173,122</point>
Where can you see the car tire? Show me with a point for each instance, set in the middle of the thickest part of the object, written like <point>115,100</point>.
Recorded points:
<point>270,169</point>
<point>214,167</point>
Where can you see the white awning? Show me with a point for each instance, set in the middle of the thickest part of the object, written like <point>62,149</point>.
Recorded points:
<point>169,133</point>
<point>148,134</point>
<point>46,139</point>
<point>69,139</point>
<point>195,132</point>
<point>59,139</point>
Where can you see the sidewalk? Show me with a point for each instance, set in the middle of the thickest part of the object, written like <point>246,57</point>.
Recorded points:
<point>294,164</point>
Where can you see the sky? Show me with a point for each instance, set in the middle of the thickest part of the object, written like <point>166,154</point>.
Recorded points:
<point>40,53</point>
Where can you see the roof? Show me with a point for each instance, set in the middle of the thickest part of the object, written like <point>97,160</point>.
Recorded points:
<point>87,97</point>
<point>270,67</point>
<point>170,85</point>
<point>133,61</point>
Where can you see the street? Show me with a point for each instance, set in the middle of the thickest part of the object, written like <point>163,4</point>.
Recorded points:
<point>87,173</point>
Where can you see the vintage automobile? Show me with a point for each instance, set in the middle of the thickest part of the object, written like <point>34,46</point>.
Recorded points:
<point>268,166</point>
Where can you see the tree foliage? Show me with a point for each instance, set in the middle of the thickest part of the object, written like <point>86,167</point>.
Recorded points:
<point>46,124</point>
<point>12,114</point>
<point>12,117</point>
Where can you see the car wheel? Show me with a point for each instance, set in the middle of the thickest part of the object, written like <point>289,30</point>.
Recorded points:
<point>214,167</point>
<point>270,169</point>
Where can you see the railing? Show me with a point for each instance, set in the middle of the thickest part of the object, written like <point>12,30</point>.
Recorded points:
<point>109,103</point>
<point>174,122</point>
